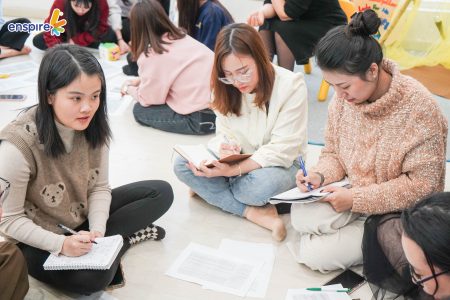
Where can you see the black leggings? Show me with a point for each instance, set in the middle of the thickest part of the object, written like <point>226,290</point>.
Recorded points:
<point>133,207</point>
<point>14,40</point>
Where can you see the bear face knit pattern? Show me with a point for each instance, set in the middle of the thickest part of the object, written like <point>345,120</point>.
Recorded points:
<point>392,149</point>
<point>58,189</point>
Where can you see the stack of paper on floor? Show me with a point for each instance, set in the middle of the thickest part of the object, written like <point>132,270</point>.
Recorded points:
<point>295,195</point>
<point>238,268</point>
<point>304,294</point>
<point>101,256</point>
<point>198,153</point>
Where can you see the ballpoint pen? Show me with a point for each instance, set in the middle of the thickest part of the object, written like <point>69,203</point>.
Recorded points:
<point>302,166</point>
<point>71,231</point>
<point>325,289</point>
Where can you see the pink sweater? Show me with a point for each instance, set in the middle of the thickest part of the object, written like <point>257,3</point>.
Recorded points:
<point>392,150</point>
<point>179,77</point>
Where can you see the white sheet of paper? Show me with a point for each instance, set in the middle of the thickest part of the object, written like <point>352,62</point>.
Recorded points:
<point>211,267</point>
<point>250,251</point>
<point>18,67</point>
<point>195,153</point>
<point>303,294</point>
<point>117,104</point>
<point>111,68</point>
<point>295,193</point>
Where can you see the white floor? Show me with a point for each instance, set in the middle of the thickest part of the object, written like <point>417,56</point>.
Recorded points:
<point>139,153</point>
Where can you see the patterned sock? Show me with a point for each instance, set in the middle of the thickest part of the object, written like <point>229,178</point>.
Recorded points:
<point>151,232</point>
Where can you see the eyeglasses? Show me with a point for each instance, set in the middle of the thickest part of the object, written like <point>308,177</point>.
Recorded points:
<point>418,280</point>
<point>242,78</point>
<point>4,190</point>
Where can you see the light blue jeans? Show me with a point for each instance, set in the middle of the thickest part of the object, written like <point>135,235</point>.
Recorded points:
<point>233,194</point>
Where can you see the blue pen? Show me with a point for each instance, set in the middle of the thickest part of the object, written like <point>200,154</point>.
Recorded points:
<point>302,166</point>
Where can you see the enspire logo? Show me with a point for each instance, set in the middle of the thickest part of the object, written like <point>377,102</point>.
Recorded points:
<point>55,27</point>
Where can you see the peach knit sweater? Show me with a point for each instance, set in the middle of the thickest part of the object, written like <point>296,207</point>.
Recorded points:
<point>392,149</point>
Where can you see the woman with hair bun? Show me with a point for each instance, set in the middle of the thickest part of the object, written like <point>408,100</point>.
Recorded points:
<point>385,132</point>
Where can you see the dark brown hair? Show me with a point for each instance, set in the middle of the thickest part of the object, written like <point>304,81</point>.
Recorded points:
<point>351,49</point>
<point>149,22</point>
<point>240,39</point>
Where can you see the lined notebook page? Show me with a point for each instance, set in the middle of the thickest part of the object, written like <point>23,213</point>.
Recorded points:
<point>101,256</point>
<point>195,153</point>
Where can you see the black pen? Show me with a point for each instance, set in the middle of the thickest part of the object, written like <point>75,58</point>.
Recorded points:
<point>71,231</point>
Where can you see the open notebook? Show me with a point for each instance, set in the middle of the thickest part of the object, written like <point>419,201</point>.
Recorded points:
<point>295,195</point>
<point>198,153</point>
<point>101,256</point>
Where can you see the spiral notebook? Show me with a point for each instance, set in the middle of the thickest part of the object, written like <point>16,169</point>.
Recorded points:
<point>101,256</point>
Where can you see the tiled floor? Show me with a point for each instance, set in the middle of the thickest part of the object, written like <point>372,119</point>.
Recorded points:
<point>139,153</point>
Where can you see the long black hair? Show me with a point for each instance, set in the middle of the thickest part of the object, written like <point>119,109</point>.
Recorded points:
<point>60,66</point>
<point>428,224</point>
<point>91,19</point>
<point>351,49</point>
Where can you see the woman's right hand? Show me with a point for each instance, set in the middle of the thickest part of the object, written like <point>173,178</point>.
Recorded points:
<point>124,47</point>
<point>302,181</point>
<point>256,18</point>
<point>228,149</point>
<point>76,245</point>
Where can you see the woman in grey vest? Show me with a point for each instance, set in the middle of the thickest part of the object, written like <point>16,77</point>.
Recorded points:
<point>55,155</point>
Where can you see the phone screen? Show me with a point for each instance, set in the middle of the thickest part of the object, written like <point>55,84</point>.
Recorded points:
<point>348,279</point>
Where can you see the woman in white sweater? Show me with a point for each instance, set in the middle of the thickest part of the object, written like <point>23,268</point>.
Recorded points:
<point>262,110</point>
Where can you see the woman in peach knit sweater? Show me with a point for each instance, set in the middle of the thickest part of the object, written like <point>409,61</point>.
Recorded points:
<point>384,132</point>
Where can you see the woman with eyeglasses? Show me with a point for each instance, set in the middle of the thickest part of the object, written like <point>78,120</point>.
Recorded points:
<point>13,267</point>
<point>261,110</point>
<point>426,244</point>
<point>173,89</point>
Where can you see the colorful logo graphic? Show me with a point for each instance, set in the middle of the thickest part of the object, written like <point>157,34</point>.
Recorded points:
<point>57,25</point>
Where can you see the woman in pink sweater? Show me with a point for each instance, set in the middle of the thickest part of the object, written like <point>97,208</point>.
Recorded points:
<point>173,88</point>
<point>385,132</point>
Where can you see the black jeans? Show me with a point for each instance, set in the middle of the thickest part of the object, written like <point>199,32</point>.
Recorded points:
<point>133,207</point>
<point>14,40</point>
<point>162,117</point>
<point>108,37</point>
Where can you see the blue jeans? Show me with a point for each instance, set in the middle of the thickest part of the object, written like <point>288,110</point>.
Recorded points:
<point>162,117</point>
<point>234,194</point>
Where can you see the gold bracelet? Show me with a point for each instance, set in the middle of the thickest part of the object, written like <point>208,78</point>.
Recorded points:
<point>240,170</point>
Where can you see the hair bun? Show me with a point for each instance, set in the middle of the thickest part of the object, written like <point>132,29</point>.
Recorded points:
<point>364,23</point>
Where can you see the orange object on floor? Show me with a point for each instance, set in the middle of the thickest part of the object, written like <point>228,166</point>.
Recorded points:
<point>436,79</point>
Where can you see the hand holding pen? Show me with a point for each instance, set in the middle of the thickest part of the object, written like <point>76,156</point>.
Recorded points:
<point>301,162</point>
<point>77,244</point>
<point>228,148</point>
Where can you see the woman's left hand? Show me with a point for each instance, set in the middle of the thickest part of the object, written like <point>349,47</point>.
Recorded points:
<point>341,199</point>
<point>219,169</point>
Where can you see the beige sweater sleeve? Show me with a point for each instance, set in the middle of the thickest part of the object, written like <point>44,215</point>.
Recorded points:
<point>99,199</point>
<point>329,164</point>
<point>14,223</point>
